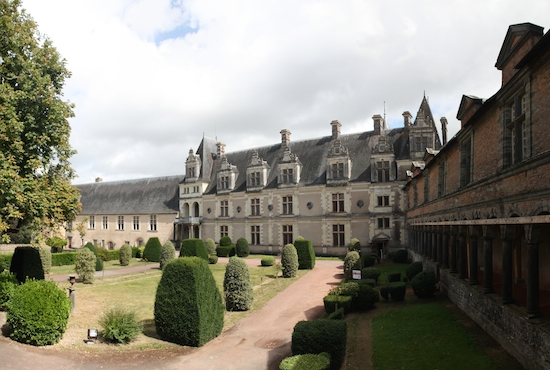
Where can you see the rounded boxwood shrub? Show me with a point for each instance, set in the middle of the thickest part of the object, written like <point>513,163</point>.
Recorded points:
<point>225,251</point>
<point>85,266</point>
<point>38,312</point>
<point>351,262</point>
<point>27,264</point>
<point>242,248</point>
<point>306,254</point>
<point>167,254</point>
<point>320,336</point>
<point>212,259</point>
<point>401,256</point>
<point>210,246</point>
<point>423,284</point>
<point>46,259</point>
<point>120,325</point>
<point>193,248</point>
<point>125,255</point>
<point>225,241</point>
<point>413,269</point>
<point>354,245</point>
<point>367,259</point>
<point>306,362</point>
<point>289,260</point>
<point>267,261</point>
<point>394,290</point>
<point>8,283</point>
<point>152,250</point>
<point>371,273</point>
<point>188,305</point>
<point>237,286</point>
<point>393,276</point>
<point>366,298</point>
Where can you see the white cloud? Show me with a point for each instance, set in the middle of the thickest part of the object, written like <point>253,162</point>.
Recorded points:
<point>244,70</point>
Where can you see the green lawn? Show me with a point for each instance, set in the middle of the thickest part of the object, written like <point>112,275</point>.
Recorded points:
<point>389,267</point>
<point>107,265</point>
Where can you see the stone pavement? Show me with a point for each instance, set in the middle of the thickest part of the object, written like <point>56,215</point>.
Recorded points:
<point>259,341</point>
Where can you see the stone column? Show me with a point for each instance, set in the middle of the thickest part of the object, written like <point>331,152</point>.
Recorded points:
<point>488,259</point>
<point>473,256</point>
<point>434,244</point>
<point>462,254</point>
<point>507,236</point>
<point>439,252</point>
<point>452,253</point>
<point>532,236</point>
<point>445,248</point>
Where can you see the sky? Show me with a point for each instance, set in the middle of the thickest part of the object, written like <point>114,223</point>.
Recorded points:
<point>150,78</point>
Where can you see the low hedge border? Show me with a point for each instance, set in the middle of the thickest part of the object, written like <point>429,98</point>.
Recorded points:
<point>64,258</point>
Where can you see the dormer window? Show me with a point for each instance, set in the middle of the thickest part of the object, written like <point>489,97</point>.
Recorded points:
<point>287,174</point>
<point>257,172</point>
<point>227,176</point>
<point>289,168</point>
<point>192,167</point>
<point>254,179</point>
<point>338,165</point>
<point>224,182</point>
<point>383,171</point>
<point>337,171</point>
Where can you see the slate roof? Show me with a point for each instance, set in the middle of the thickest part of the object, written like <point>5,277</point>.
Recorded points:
<point>312,154</point>
<point>157,195</point>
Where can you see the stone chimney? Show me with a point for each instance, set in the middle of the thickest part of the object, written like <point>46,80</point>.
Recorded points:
<point>407,119</point>
<point>285,137</point>
<point>444,130</point>
<point>335,129</point>
<point>98,179</point>
<point>378,124</point>
<point>220,148</point>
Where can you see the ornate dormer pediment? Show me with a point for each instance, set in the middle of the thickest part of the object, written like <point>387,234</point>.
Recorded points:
<point>227,176</point>
<point>383,146</point>
<point>289,169</point>
<point>256,173</point>
<point>192,167</point>
<point>338,164</point>
<point>337,149</point>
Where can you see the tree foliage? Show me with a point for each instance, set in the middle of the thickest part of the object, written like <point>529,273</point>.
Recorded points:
<point>35,173</point>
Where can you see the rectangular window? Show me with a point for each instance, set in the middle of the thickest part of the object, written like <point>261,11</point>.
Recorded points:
<point>337,170</point>
<point>287,175</point>
<point>255,179</point>
<point>120,223</point>
<point>105,223</point>
<point>287,205</point>
<point>383,171</point>
<point>255,234</point>
<point>426,177</point>
<point>466,162</point>
<point>287,234</point>
<point>338,202</point>
<point>338,236</point>
<point>91,223</point>
<point>191,172</point>
<point>383,223</point>
<point>153,222</point>
<point>384,201</point>
<point>224,231</point>
<point>224,208</point>
<point>224,182</point>
<point>136,223</point>
<point>420,144</point>
<point>441,181</point>
<point>255,207</point>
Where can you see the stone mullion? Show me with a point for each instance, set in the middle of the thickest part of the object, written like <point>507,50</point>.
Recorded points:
<point>452,254</point>
<point>439,255</point>
<point>445,249</point>
<point>488,260</point>
<point>462,255</point>
<point>473,256</point>
<point>507,236</point>
<point>533,239</point>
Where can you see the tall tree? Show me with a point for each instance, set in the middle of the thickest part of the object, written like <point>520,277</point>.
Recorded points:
<point>35,173</point>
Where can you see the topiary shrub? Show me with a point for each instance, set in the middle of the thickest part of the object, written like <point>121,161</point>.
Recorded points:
<point>366,298</point>
<point>91,247</point>
<point>225,241</point>
<point>85,265</point>
<point>351,262</point>
<point>46,259</point>
<point>289,260</point>
<point>212,259</point>
<point>26,264</point>
<point>371,273</point>
<point>401,256</point>
<point>225,251</point>
<point>120,325</point>
<point>320,336</point>
<point>242,248</point>
<point>125,255</point>
<point>306,254</point>
<point>167,254</point>
<point>413,269</point>
<point>98,260</point>
<point>210,246</point>
<point>332,302</point>
<point>367,259</point>
<point>152,250</point>
<point>135,252</point>
<point>237,286</point>
<point>354,245</point>
<point>267,261</point>
<point>423,284</point>
<point>98,264</point>
<point>339,314</point>
<point>38,312</point>
<point>188,305</point>
<point>64,258</point>
<point>394,290</point>
<point>8,283</point>
<point>306,362</point>
<point>193,248</point>
<point>393,276</point>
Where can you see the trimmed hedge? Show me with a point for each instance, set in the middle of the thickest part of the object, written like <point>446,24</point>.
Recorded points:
<point>64,258</point>
<point>193,248</point>
<point>306,362</point>
<point>125,255</point>
<point>8,283</point>
<point>108,255</point>
<point>367,259</point>
<point>26,264</point>
<point>225,241</point>
<point>396,291</point>
<point>225,251</point>
<point>393,276</point>
<point>289,260</point>
<point>38,312</point>
<point>351,262</point>
<point>423,284</point>
<point>210,246</point>
<point>366,298</point>
<point>414,269</point>
<point>46,259</point>
<point>339,314</point>
<point>135,252</point>
<point>320,336</point>
<point>212,259</point>
<point>188,305</point>
<point>5,261</point>
<point>371,273</point>
<point>354,245</point>
<point>332,302</point>
<point>237,286</point>
<point>306,255</point>
<point>91,247</point>
<point>85,265</point>
<point>401,256</point>
<point>267,261</point>
<point>167,254</point>
<point>152,250</point>
<point>98,261</point>
<point>242,248</point>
